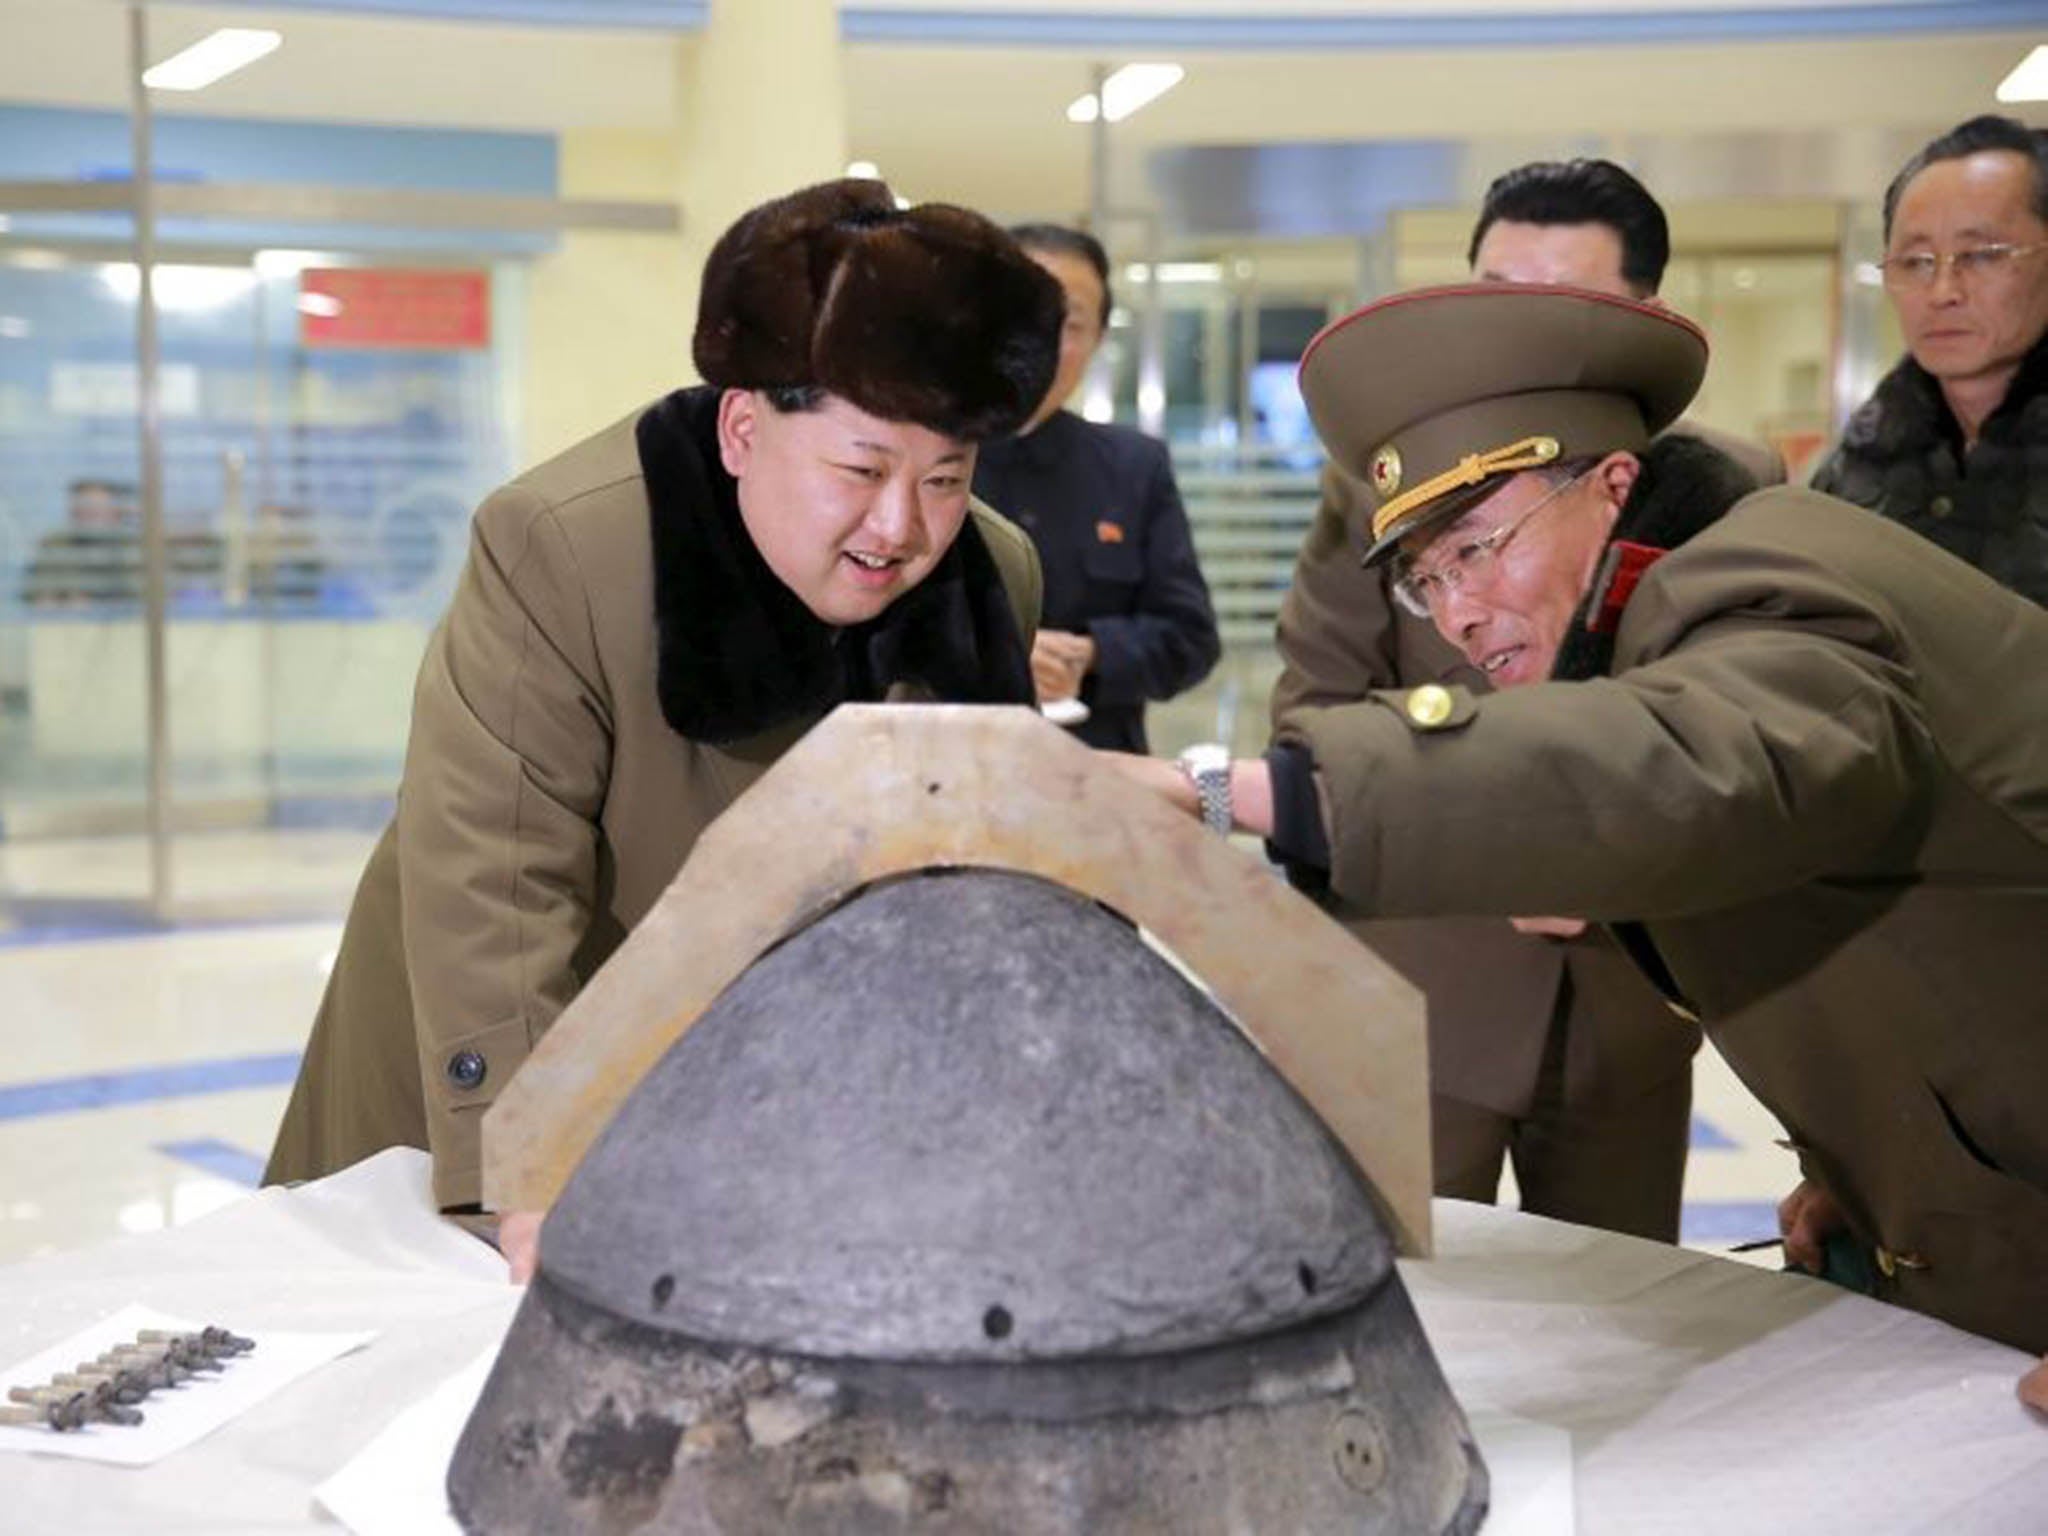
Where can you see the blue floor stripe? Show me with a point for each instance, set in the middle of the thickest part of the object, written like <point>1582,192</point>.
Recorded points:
<point>1709,1137</point>
<point>1727,1221</point>
<point>144,1085</point>
<point>222,1159</point>
<point>24,925</point>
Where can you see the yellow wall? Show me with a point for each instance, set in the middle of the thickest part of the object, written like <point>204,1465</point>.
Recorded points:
<point>609,316</point>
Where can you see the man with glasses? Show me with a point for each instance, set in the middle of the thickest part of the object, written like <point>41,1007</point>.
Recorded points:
<point>1954,441</point>
<point>1793,756</point>
<point>1545,1046</point>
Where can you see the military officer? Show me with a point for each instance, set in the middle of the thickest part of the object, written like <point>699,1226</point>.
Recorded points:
<point>1796,758</point>
<point>1545,1046</point>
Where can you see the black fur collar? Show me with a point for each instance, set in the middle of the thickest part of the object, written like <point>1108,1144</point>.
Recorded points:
<point>739,653</point>
<point>1685,485</point>
<point>1907,415</point>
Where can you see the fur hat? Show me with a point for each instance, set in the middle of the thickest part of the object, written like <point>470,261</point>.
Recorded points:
<point>930,314</point>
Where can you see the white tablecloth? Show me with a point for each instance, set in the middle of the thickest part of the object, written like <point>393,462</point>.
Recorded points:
<point>1701,1395</point>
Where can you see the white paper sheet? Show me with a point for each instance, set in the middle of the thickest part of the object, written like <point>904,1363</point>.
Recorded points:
<point>1064,711</point>
<point>1530,1470</point>
<point>397,1485</point>
<point>173,1417</point>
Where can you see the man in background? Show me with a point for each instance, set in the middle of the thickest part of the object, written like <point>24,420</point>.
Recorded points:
<point>1127,613</point>
<point>1954,441</point>
<point>1547,1047</point>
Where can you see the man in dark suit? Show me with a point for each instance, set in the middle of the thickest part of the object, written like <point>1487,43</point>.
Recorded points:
<point>1127,614</point>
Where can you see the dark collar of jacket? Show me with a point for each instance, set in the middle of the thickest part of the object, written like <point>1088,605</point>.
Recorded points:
<point>739,653</point>
<point>1051,443</point>
<point>1684,487</point>
<point>1907,416</point>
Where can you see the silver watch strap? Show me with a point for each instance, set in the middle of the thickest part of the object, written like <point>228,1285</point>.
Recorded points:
<point>1212,789</point>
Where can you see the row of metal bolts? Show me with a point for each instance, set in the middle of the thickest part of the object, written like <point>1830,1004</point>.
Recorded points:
<point>105,1390</point>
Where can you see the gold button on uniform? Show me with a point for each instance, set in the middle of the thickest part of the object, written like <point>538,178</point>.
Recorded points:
<point>1941,506</point>
<point>1429,705</point>
<point>1889,1263</point>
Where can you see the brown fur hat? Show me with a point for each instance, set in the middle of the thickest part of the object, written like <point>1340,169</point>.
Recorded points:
<point>930,314</point>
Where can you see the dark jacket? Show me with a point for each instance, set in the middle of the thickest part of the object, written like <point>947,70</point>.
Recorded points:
<point>617,666</point>
<point>1902,456</point>
<point>1101,505</point>
<point>1812,760</point>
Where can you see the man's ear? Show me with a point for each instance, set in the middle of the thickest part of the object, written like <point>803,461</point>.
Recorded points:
<point>1616,475</point>
<point>739,418</point>
<point>1614,478</point>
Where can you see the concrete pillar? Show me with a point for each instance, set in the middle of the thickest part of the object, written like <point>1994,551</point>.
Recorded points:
<point>1864,344</point>
<point>761,111</point>
<point>607,316</point>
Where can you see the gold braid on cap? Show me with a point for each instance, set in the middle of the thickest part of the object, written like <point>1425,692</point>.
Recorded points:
<point>1529,453</point>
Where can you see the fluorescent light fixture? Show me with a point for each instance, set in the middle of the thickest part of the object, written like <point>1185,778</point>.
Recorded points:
<point>211,58</point>
<point>1176,272</point>
<point>2029,79</point>
<point>278,261</point>
<point>863,170</point>
<point>186,289</point>
<point>1132,87</point>
<point>14,327</point>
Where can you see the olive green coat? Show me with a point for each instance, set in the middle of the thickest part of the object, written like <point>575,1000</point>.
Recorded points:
<point>1492,991</point>
<point>546,804</point>
<point>1818,773</point>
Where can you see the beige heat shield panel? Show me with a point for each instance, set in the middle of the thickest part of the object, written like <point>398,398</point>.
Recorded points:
<point>879,790</point>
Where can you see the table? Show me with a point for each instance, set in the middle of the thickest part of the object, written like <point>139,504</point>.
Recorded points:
<point>1701,1395</point>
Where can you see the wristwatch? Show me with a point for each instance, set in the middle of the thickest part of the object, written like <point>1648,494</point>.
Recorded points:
<point>1207,765</point>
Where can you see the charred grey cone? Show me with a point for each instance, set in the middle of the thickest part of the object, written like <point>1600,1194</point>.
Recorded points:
<point>963,1211</point>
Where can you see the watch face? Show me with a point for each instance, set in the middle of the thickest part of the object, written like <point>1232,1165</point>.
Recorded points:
<point>1208,757</point>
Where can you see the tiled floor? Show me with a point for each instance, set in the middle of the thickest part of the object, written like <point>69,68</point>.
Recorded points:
<point>144,1072</point>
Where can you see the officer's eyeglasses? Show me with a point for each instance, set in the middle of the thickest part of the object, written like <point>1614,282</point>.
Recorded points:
<point>1976,263</point>
<point>1474,561</point>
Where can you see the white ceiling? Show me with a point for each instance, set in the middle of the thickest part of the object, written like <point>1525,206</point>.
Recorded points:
<point>986,125</point>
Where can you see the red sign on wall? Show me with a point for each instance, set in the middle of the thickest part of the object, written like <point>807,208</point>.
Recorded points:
<point>391,307</point>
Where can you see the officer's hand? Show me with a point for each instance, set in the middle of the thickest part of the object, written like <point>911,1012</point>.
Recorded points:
<point>519,1241</point>
<point>2034,1387</point>
<point>1550,927</point>
<point>1807,1218</point>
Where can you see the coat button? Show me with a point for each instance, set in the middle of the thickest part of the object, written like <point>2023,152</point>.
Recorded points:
<point>466,1069</point>
<point>1941,506</point>
<point>1889,1263</point>
<point>1429,705</point>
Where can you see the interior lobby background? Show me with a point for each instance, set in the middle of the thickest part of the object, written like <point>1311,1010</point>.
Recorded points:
<point>522,191</point>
